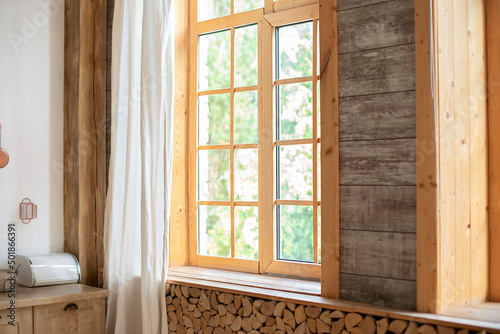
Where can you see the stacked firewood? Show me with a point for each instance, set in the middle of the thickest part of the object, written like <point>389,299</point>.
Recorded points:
<point>192,310</point>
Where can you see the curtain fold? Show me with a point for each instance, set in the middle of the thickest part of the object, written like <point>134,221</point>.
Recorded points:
<point>137,206</point>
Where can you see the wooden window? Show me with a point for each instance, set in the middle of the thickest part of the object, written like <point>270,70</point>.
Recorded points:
<point>254,143</point>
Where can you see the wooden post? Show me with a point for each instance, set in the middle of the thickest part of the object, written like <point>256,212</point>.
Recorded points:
<point>178,225</point>
<point>85,133</point>
<point>330,217</point>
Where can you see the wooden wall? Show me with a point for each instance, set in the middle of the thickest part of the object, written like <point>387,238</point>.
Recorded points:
<point>377,129</point>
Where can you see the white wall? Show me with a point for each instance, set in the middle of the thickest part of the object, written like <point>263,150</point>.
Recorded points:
<point>31,113</point>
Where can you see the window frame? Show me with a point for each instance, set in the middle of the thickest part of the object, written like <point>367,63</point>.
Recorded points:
<point>290,12</point>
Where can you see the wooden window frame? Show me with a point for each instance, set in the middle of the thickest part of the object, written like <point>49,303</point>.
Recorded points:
<point>457,201</point>
<point>182,221</point>
<point>267,23</point>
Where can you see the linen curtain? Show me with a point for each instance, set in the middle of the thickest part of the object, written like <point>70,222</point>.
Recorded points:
<point>137,206</point>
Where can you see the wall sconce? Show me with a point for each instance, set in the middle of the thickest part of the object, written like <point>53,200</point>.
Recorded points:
<point>28,211</point>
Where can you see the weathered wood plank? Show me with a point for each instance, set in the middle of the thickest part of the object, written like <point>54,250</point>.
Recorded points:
<point>378,208</point>
<point>381,254</point>
<point>378,162</point>
<point>385,116</point>
<point>381,25</point>
<point>349,4</point>
<point>390,69</point>
<point>329,148</point>
<point>385,292</point>
<point>109,29</point>
<point>84,134</point>
<point>427,176</point>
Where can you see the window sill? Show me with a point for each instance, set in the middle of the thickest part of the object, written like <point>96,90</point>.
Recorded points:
<point>212,278</point>
<point>482,317</point>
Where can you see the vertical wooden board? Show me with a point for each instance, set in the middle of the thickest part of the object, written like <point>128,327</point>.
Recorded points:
<point>71,97</point>
<point>329,85</point>
<point>376,26</point>
<point>428,242</point>
<point>192,134</point>
<point>266,147</point>
<point>479,155</point>
<point>268,6</point>
<point>87,109</point>
<point>385,70</point>
<point>493,49</point>
<point>380,254</point>
<point>384,292</point>
<point>385,116</point>
<point>85,134</point>
<point>100,126</point>
<point>461,141</point>
<point>446,115</point>
<point>109,29</point>
<point>178,224</point>
<point>378,208</point>
<point>377,162</point>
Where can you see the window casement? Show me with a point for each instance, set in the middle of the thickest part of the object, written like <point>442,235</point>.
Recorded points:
<point>254,138</point>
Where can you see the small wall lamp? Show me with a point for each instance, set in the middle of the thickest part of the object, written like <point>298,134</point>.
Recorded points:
<point>28,211</point>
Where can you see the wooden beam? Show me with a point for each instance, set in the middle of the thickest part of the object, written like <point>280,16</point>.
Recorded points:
<point>479,153</point>
<point>330,244</point>
<point>493,52</point>
<point>178,228</point>
<point>85,134</point>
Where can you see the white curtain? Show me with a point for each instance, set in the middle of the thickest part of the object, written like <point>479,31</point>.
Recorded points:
<point>137,207</point>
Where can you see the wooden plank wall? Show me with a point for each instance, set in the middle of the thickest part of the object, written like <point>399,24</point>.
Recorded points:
<point>377,120</point>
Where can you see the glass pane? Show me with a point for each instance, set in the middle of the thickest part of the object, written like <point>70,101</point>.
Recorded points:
<point>245,5</point>
<point>246,175</point>
<point>210,9</point>
<point>246,113</point>
<point>214,226</point>
<point>295,44</point>
<point>214,51</point>
<point>213,119</point>
<point>319,234</point>
<point>295,174</point>
<point>246,234</point>
<point>319,111</point>
<point>319,172</point>
<point>295,111</point>
<point>296,233</point>
<point>245,53</point>
<point>213,175</point>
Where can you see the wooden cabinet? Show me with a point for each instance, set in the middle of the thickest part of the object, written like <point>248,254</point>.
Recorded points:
<point>22,325</point>
<point>62,309</point>
<point>85,316</point>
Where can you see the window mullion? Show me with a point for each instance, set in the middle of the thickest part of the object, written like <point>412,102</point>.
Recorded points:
<point>266,146</point>
<point>232,137</point>
<point>315,136</point>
